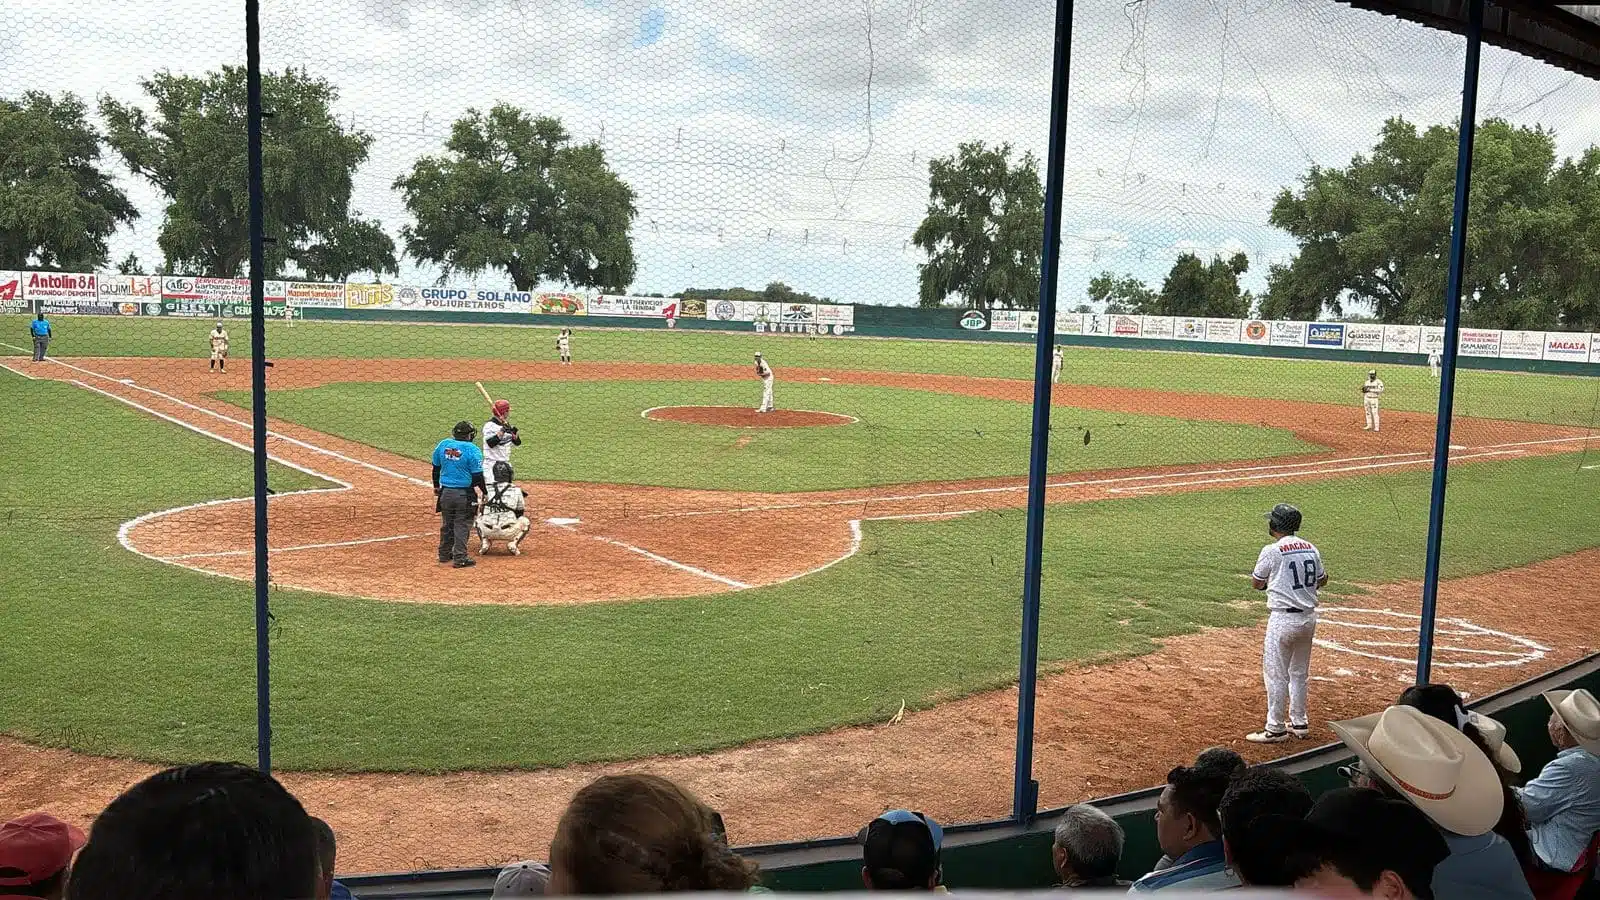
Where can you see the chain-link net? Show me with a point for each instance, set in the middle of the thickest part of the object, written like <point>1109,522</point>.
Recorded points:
<point>758,285</point>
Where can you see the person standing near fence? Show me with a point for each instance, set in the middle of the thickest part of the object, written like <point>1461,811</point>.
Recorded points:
<point>457,481</point>
<point>1290,570</point>
<point>40,329</point>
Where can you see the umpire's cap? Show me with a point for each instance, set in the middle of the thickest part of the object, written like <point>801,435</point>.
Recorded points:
<point>1284,519</point>
<point>463,431</point>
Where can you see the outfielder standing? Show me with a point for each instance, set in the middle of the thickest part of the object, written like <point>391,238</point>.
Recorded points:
<point>1435,362</point>
<point>1055,366</point>
<point>764,372</point>
<point>499,436</point>
<point>219,348</point>
<point>1370,392</point>
<point>457,480</point>
<point>1290,570</point>
<point>564,346</point>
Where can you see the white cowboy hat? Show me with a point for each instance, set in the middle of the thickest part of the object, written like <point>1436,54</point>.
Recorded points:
<point>1580,713</point>
<point>1494,734</point>
<point>1438,769</point>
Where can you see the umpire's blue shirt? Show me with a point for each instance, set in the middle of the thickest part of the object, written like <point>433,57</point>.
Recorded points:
<point>458,461</point>
<point>39,328</point>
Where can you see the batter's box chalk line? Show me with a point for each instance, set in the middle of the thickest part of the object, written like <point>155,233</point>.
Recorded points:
<point>1375,639</point>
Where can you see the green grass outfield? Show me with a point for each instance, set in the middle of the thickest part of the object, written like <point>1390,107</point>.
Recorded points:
<point>593,431</point>
<point>1568,400</point>
<point>107,652</point>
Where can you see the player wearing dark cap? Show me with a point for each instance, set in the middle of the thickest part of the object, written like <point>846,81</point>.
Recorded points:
<point>1290,570</point>
<point>457,481</point>
<point>900,852</point>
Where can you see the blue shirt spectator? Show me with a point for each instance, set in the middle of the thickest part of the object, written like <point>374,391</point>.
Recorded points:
<point>39,327</point>
<point>1563,803</point>
<point>1203,868</point>
<point>1479,867</point>
<point>458,461</point>
<point>340,892</point>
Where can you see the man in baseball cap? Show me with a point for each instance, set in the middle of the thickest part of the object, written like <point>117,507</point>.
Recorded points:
<point>1357,841</point>
<point>900,852</point>
<point>35,853</point>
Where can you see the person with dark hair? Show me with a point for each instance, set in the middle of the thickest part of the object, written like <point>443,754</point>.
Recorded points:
<point>1443,703</point>
<point>457,482</point>
<point>1189,831</point>
<point>200,832</point>
<point>641,834</point>
<point>327,858</point>
<point>900,852</point>
<point>35,856</point>
<point>1357,842</point>
<point>1290,571</point>
<point>1226,761</point>
<point>40,331</point>
<point>1087,849</point>
<point>1255,800</point>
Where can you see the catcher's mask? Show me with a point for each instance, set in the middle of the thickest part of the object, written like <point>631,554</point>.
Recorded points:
<point>463,431</point>
<point>502,471</point>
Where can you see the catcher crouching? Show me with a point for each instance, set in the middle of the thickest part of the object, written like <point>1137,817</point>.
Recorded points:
<point>504,514</point>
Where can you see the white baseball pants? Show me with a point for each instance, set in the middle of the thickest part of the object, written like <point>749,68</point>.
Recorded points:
<point>1055,372</point>
<point>766,394</point>
<point>1286,665</point>
<point>1371,405</point>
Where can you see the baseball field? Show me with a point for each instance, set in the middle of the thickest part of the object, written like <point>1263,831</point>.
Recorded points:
<point>746,603</point>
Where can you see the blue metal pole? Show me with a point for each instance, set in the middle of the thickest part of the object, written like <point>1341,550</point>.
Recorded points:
<point>258,372</point>
<point>1452,322</point>
<point>1025,798</point>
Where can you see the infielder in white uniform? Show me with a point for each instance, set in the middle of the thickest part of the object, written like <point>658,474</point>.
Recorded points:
<point>504,515</point>
<point>499,436</point>
<point>1055,366</point>
<point>1435,362</point>
<point>564,346</point>
<point>219,348</point>
<point>764,372</point>
<point>1370,392</point>
<point>1290,570</point>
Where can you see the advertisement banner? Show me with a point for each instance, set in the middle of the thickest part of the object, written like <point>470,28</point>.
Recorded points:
<point>835,314</point>
<point>368,296</point>
<point>761,311</point>
<point>1521,345</point>
<point>1223,331</point>
<point>273,309</point>
<point>1096,324</point>
<point>1594,348</point>
<point>562,303</point>
<point>696,309</point>
<point>725,311</point>
<point>1432,339</point>
<point>801,313</point>
<point>1255,332</point>
<point>1325,334</point>
<point>138,288</point>
<point>1007,320</point>
<point>1069,323</point>
<point>11,301</point>
<point>1361,336</point>
<point>84,306</point>
<point>1567,347</point>
<point>60,286</point>
<point>213,290</point>
<point>1159,327</point>
<point>634,307</point>
<point>974,320</point>
<point>189,309</point>
<point>1029,321</point>
<point>314,293</point>
<point>1401,338</point>
<point>435,299</point>
<point>1289,334</point>
<point>1480,342</point>
<point>1125,326</point>
<point>1189,329</point>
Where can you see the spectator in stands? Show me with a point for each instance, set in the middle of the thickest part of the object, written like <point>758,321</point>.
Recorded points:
<point>1087,849</point>
<point>1228,762</point>
<point>1443,703</point>
<point>35,855</point>
<point>1414,757</point>
<point>200,832</point>
<point>641,834</point>
<point>523,879</point>
<point>1189,831</point>
<point>900,852</point>
<point>1563,803</point>
<point>327,858</point>
<point>1357,842</point>
<point>1255,801</point>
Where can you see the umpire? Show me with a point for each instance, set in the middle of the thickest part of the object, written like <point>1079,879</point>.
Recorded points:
<point>457,480</point>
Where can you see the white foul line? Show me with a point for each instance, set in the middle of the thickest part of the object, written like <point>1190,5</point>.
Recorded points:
<point>683,567</point>
<point>18,371</point>
<point>251,552</point>
<point>1308,471</point>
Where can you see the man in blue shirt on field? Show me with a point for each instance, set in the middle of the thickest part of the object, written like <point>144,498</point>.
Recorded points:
<point>40,329</point>
<point>457,481</point>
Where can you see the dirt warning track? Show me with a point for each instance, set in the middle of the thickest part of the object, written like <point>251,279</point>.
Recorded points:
<point>372,534</point>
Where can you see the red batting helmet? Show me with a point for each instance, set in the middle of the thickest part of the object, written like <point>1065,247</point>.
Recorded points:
<point>502,407</point>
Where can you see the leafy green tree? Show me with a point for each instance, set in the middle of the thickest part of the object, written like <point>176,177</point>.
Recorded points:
<point>57,207</point>
<point>1126,294</point>
<point>514,193</point>
<point>1574,287</point>
<point>192,148</point>
<point>1195,288</point>
<point>984,228</point>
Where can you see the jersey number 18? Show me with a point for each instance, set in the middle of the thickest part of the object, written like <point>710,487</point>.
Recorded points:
<point>1310,570</point>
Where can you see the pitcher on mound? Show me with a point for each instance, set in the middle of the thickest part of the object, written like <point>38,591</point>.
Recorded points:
<point>764,372</point>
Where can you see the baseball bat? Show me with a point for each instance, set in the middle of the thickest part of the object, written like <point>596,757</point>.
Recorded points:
<point>486,398</point>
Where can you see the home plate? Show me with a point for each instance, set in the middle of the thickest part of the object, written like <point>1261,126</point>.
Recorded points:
<point>562,522</point>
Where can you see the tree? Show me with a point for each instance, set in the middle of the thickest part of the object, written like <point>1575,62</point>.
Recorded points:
<point>984,228</point>
<point>130,265</point>
<point>57,207</point>
<point>1194,288</point>
<point>514,193</point>
<point>192,148</point>
<point>1127,294</point>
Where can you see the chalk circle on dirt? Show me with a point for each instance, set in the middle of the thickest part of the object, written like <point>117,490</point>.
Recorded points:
<point>1384,634</point>
<point>746,417</point>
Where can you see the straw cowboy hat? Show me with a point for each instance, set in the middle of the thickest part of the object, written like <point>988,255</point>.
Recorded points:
<point>1580,713</point>
<point>1438,769</point>
<point>1494,734</point>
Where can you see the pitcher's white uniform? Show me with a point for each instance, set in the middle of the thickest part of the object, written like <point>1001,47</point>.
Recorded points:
<point>1292,569</point>
<point>764,372</point>
<point>1055,366</point>
<point>1434,362</point>
<point>1370,392</point>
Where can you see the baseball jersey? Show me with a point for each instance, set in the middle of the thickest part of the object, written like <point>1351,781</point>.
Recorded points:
<point>219,340</point>
<point>1291,567</point>
<point>563,343</point>
<point>501,452</point>
<point>762,369</point>
<point>1372,389</point>
<point>1434,358</point>
<point>458,461</point>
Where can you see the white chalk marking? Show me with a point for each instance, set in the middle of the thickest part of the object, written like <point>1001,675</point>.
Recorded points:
<point>560,521</point>
<point>1259,476</point>
<point>1587,468</point>
<point>1533,652</point>
<point>926,515</point>
<point>855,547</point>
<point>683,567</point>
<point>819,412</point>
<point>18,371</point>
<point>251,552</point>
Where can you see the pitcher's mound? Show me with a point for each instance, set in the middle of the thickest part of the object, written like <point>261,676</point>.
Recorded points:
<point>745,417</point>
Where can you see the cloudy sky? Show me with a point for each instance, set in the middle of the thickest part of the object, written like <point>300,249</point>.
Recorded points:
<point>789,139</point>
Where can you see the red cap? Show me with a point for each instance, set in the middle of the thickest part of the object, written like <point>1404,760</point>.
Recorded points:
<point>38,846</point>
<point>501,407</point>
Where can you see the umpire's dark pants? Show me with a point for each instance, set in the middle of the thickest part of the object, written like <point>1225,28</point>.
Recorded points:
<point>457,507</point>
<point>41,345</point>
